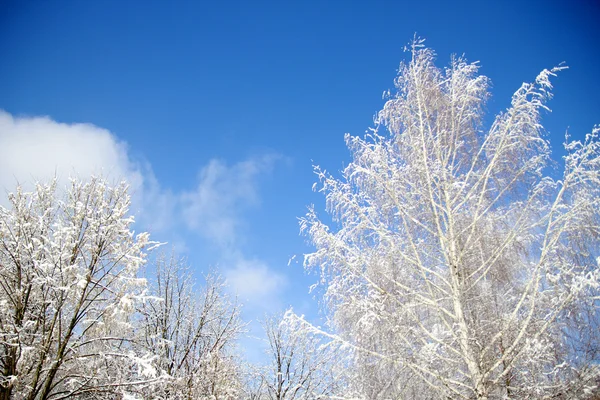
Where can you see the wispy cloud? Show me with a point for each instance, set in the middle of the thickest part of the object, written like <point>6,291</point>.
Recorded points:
<point>256,284</point>
<point>224,192</point>
<point>216,209</point>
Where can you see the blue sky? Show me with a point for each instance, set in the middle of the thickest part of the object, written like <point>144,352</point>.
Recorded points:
<point>217,110</point>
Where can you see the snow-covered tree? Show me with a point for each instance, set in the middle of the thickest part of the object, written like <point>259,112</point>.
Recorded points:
<point>68,287</point>
<point>301,365</point>
<point>193,332</point>
<point>460,264</point>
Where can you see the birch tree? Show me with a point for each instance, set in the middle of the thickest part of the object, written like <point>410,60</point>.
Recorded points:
<point>68,287</point>
<point>193,332</point>
<point>460,264</point>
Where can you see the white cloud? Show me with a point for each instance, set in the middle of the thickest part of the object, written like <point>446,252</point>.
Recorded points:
<point>223,192</point>
<point>256,284</point>
<point>38,148</point>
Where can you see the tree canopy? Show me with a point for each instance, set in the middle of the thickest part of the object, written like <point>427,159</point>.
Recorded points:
<point>459,264</point>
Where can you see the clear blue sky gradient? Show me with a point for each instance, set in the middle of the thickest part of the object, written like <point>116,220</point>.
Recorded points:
<point>188,81</point>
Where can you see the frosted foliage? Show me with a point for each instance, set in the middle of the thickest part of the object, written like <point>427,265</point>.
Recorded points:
<point>68,288</point>
<point>455,266</point>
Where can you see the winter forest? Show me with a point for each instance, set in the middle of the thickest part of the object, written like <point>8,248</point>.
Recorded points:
<point>457,259</point>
